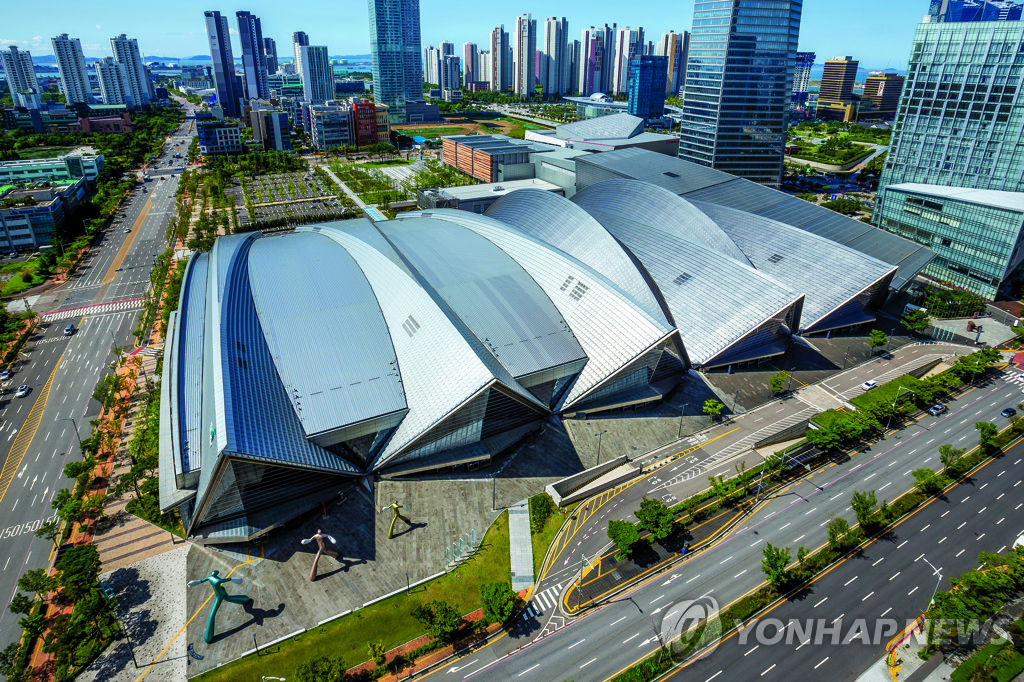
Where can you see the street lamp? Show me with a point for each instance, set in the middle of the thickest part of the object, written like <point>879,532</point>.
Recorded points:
<point>681,413</point>
<point>846,357</point>
<point>931,602</point>
<point>789,384</point>
<point>599,435</point>
<point>900,388</point>
<point>75,424</point>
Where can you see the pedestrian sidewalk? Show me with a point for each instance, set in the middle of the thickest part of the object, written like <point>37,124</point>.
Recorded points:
<point>344,188</point>
<point>520,545</point>
<point>902,663</point>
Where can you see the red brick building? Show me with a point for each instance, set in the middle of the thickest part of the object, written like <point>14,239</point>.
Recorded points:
<point>364,118</point>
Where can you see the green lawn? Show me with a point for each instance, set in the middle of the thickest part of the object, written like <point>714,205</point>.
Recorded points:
<point>811,152</point>
<point>43,152</point>
<point>1007,663</point>
<point>884,393</point>
<point>392,162</point>
<point>388,621</point>
<point>542,540</point>
<point>432,132</point>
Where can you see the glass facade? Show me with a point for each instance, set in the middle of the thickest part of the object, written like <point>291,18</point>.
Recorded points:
<point>397,59</point>
<point>739,82</point>
<point>978,245</point>
<point>960,115</point>
<point>647,76</point>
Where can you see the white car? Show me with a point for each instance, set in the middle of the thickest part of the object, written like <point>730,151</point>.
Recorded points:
<point>869,384</point>
<point>21,392</point>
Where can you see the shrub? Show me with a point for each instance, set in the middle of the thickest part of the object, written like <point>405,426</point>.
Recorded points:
<point>541,509</point>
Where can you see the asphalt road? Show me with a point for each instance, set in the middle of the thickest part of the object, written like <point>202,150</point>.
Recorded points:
<point>886,587</point>
<point>35,431</point>
<point>599,645</point>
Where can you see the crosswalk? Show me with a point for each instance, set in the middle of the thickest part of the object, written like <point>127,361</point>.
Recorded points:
<point>543,602</point>
<point>151,351</point>
<point>98,309</point>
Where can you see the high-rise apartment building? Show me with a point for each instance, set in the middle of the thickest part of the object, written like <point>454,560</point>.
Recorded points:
<point>113,81</point>
<point>501,66</point>
<point>299,40</point>
<point>883,90</point>
<point>483,67</point>
<point>597,47</point>
<point>137,86</point>
<point>446,48</point>
<point>647,75</point>
<point>223,62</point>
<point>801,78</point>
<point>524,55</point>
<point>739,80</point>
<point>675,46</point>
<point>451,73</point>
<point>254,64</point>
<point>74,80</point>
<point>573,53</point>
<point>317,74</point>
<point>629,43</point>
<point>469,63</point>
<point>555,59</point>
<point>835,97</point>
<point>21,74</point>
<point>270,55</point>
<point>395,50</point>
<point>431,64</point>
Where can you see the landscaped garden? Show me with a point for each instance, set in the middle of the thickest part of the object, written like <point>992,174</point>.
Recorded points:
<point>832,151</point>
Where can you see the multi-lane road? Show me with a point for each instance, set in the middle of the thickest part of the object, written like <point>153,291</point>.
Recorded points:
<point>610,639</point>
<point>38,432</point>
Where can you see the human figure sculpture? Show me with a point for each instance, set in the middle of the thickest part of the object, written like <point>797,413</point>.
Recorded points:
<point>319,537</point>
<point>219,595</point>
<point>395,507</point>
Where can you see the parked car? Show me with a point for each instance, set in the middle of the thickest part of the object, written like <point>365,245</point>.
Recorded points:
<point>869,384</point>
<point>6,375</point>
<point>21,392</point>
<point>936,410</point>
<point>1008,412</point>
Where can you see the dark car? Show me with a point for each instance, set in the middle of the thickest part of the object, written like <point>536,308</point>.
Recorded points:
<point>1008,412</point>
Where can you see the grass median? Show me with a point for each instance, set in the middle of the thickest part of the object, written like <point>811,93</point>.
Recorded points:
<point>388,621</point>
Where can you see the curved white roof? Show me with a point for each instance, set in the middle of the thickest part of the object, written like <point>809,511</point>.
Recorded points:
<point>610,326</point>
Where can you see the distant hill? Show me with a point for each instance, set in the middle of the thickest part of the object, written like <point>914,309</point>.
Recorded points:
<point>352,57</point>
<point>195,58</point>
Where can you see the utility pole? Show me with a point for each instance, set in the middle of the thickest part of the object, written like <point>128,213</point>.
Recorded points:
<point>846,358</point>
<point>599,436</point>
<point>681,413</point>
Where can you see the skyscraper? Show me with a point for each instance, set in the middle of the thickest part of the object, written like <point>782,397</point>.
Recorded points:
<point>675,46</point>
<point>395,49</point>
<point>959,118</point>
<point>835,97</point>
<point>573,52</point>
<point>74,80</point>
<point>555,62</point>
<point>469,63</point>
<point>883,89</point>
<point>299,39</point>
<point>317,74</point>
<point>629,43</point>
<point>597,48</point>
<point>802,77</point>
<point>647,75</point>
<point>501,71</point>
<point>137,87</point>
<point>446,48</point>
<point>451,73</point>
<point>113,81</point>
<point>223,62</point>
<point>270,55</point>
<point>524,54</point>
<point>21,74</point>
<point>739,79</point>
<point>432,65</point>
<point>254,64</point>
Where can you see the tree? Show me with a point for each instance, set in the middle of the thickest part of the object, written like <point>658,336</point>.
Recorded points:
<point>76,469</point>
<point>801,556</point>
<point>713,408</point>
<point>877,339</point>
<point>950,458</point>
<point>624,535</point>
<point>36,580</point>
<point>986,435</point>
<point>863,504</point>
<point>917,320</point>
<point>7,659</point>
<point>499,601</point>
<point>20,604</point>
<point>440,620</point>
<point>78,569</point>
<point>1016,632</point>
<point>774,565</point>
<point>655,517</point>
<point>928,482</point>
<point>376,652</point>
<point>778,381</point>
<point>838,533</point>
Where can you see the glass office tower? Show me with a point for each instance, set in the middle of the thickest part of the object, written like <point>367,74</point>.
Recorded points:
<point>223,61</point>
<point>397,59</point>
<point>739,80</point>
<point>960,115</point>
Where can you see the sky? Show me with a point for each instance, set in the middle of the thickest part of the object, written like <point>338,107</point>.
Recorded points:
<point>877,32</point>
